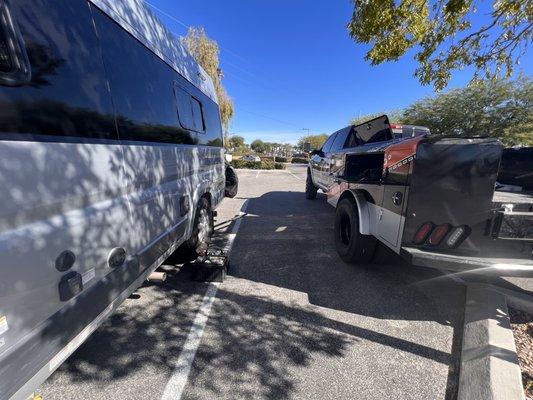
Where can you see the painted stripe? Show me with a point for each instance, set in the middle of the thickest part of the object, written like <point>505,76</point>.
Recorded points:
<point>182,368</point>
<point>180,375</point>
<point>297,177</point>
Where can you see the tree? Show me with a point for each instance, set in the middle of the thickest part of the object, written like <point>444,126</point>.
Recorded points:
<point>316,140</point>
<point>444,35</point>
<point>236,141</point>
<point>501,109</point>
<point>206,53</point>
<point>259,146</point>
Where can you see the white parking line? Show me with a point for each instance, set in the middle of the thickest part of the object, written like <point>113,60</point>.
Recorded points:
<point>297,177</point>
<point>182,368</point>
<point>258,172</point>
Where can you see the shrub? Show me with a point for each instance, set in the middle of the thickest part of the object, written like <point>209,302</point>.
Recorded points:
<point>298,160</point>
<point>282,159</point>
<point>267,164</point>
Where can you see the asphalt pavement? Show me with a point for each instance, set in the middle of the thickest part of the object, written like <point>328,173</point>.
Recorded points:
<point>291,321</point>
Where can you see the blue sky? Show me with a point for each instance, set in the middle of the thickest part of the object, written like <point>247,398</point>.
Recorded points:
<point>291,65</point>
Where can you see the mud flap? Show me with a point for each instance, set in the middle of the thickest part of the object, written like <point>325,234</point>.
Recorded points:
<point>232,182</point>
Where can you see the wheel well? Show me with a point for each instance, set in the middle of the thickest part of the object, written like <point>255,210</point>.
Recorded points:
<point>350,194</point>
<point>362,208</point>
<point>347,194</point>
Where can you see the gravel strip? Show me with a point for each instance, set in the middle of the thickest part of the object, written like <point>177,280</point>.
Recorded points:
<point>522,324</point>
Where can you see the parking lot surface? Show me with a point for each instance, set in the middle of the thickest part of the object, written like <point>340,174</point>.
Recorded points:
<point>291,321</point>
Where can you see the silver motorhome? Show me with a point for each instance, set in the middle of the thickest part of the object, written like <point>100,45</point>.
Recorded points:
<point>110,158</point>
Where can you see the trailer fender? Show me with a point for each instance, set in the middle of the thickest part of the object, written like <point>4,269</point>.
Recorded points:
<point>363,209</point>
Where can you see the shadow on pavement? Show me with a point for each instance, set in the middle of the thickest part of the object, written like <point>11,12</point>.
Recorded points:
<point>287,241</point>
<point>284,241</point>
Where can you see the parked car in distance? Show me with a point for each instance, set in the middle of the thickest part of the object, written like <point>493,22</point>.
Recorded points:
<point>251,157</point>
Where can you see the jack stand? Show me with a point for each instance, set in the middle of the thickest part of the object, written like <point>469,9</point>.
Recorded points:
<point>212,267</point>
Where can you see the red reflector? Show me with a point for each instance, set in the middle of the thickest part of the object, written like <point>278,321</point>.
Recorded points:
<point>423,233</point>
<point>438,234</point>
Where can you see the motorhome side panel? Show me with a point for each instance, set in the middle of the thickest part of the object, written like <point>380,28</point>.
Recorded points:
<point>62,193</point>
<point>162,119</point>
<point>74,189</point>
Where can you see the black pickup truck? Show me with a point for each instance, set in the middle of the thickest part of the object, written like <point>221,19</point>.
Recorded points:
<point>428,198</point>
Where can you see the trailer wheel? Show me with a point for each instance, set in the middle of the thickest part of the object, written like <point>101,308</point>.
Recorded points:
<point>310,188</point>
<point>351,245</point>
<point>202,231</point>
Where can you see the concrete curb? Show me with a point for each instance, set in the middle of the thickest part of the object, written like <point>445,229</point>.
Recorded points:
<point>520,301</point>
<point>489,364</point>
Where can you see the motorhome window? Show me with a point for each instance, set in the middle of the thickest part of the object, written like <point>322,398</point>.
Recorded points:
<point>340,139</point>
<point>213,127</point>
<point>327,146</point>
<point>185,111</point>
<point>198,117</point>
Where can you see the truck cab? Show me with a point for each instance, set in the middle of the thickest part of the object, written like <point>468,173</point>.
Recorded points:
<point>367,137</point>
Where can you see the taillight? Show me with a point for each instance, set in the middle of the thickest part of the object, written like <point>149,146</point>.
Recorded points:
<point>457,235</point>
<point>438,234</point>
<point>423,233</point>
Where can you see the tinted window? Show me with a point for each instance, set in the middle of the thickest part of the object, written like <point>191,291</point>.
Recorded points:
<point>377,130</point>
<point>189,110</point>
<point>143,89</point>
<point>67,94</point>
<point>340,140</point>
<point>213,128</point>
<point>327,146</point>
<point>198,117</point>
<point>184,108</point>
<point>420,132</point>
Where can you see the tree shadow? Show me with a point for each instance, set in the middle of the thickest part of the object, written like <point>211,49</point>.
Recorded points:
<point>254,337</point>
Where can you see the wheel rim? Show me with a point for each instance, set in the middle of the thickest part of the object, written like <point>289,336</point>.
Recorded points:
<point>345,229</point>
<point>204,226</point>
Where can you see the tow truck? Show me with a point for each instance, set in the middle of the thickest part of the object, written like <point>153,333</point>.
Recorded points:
<point>428,198</point>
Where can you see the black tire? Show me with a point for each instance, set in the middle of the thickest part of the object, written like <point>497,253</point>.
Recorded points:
<point>202,231</point>
<point>351,245</point>
<point>310,188</point>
